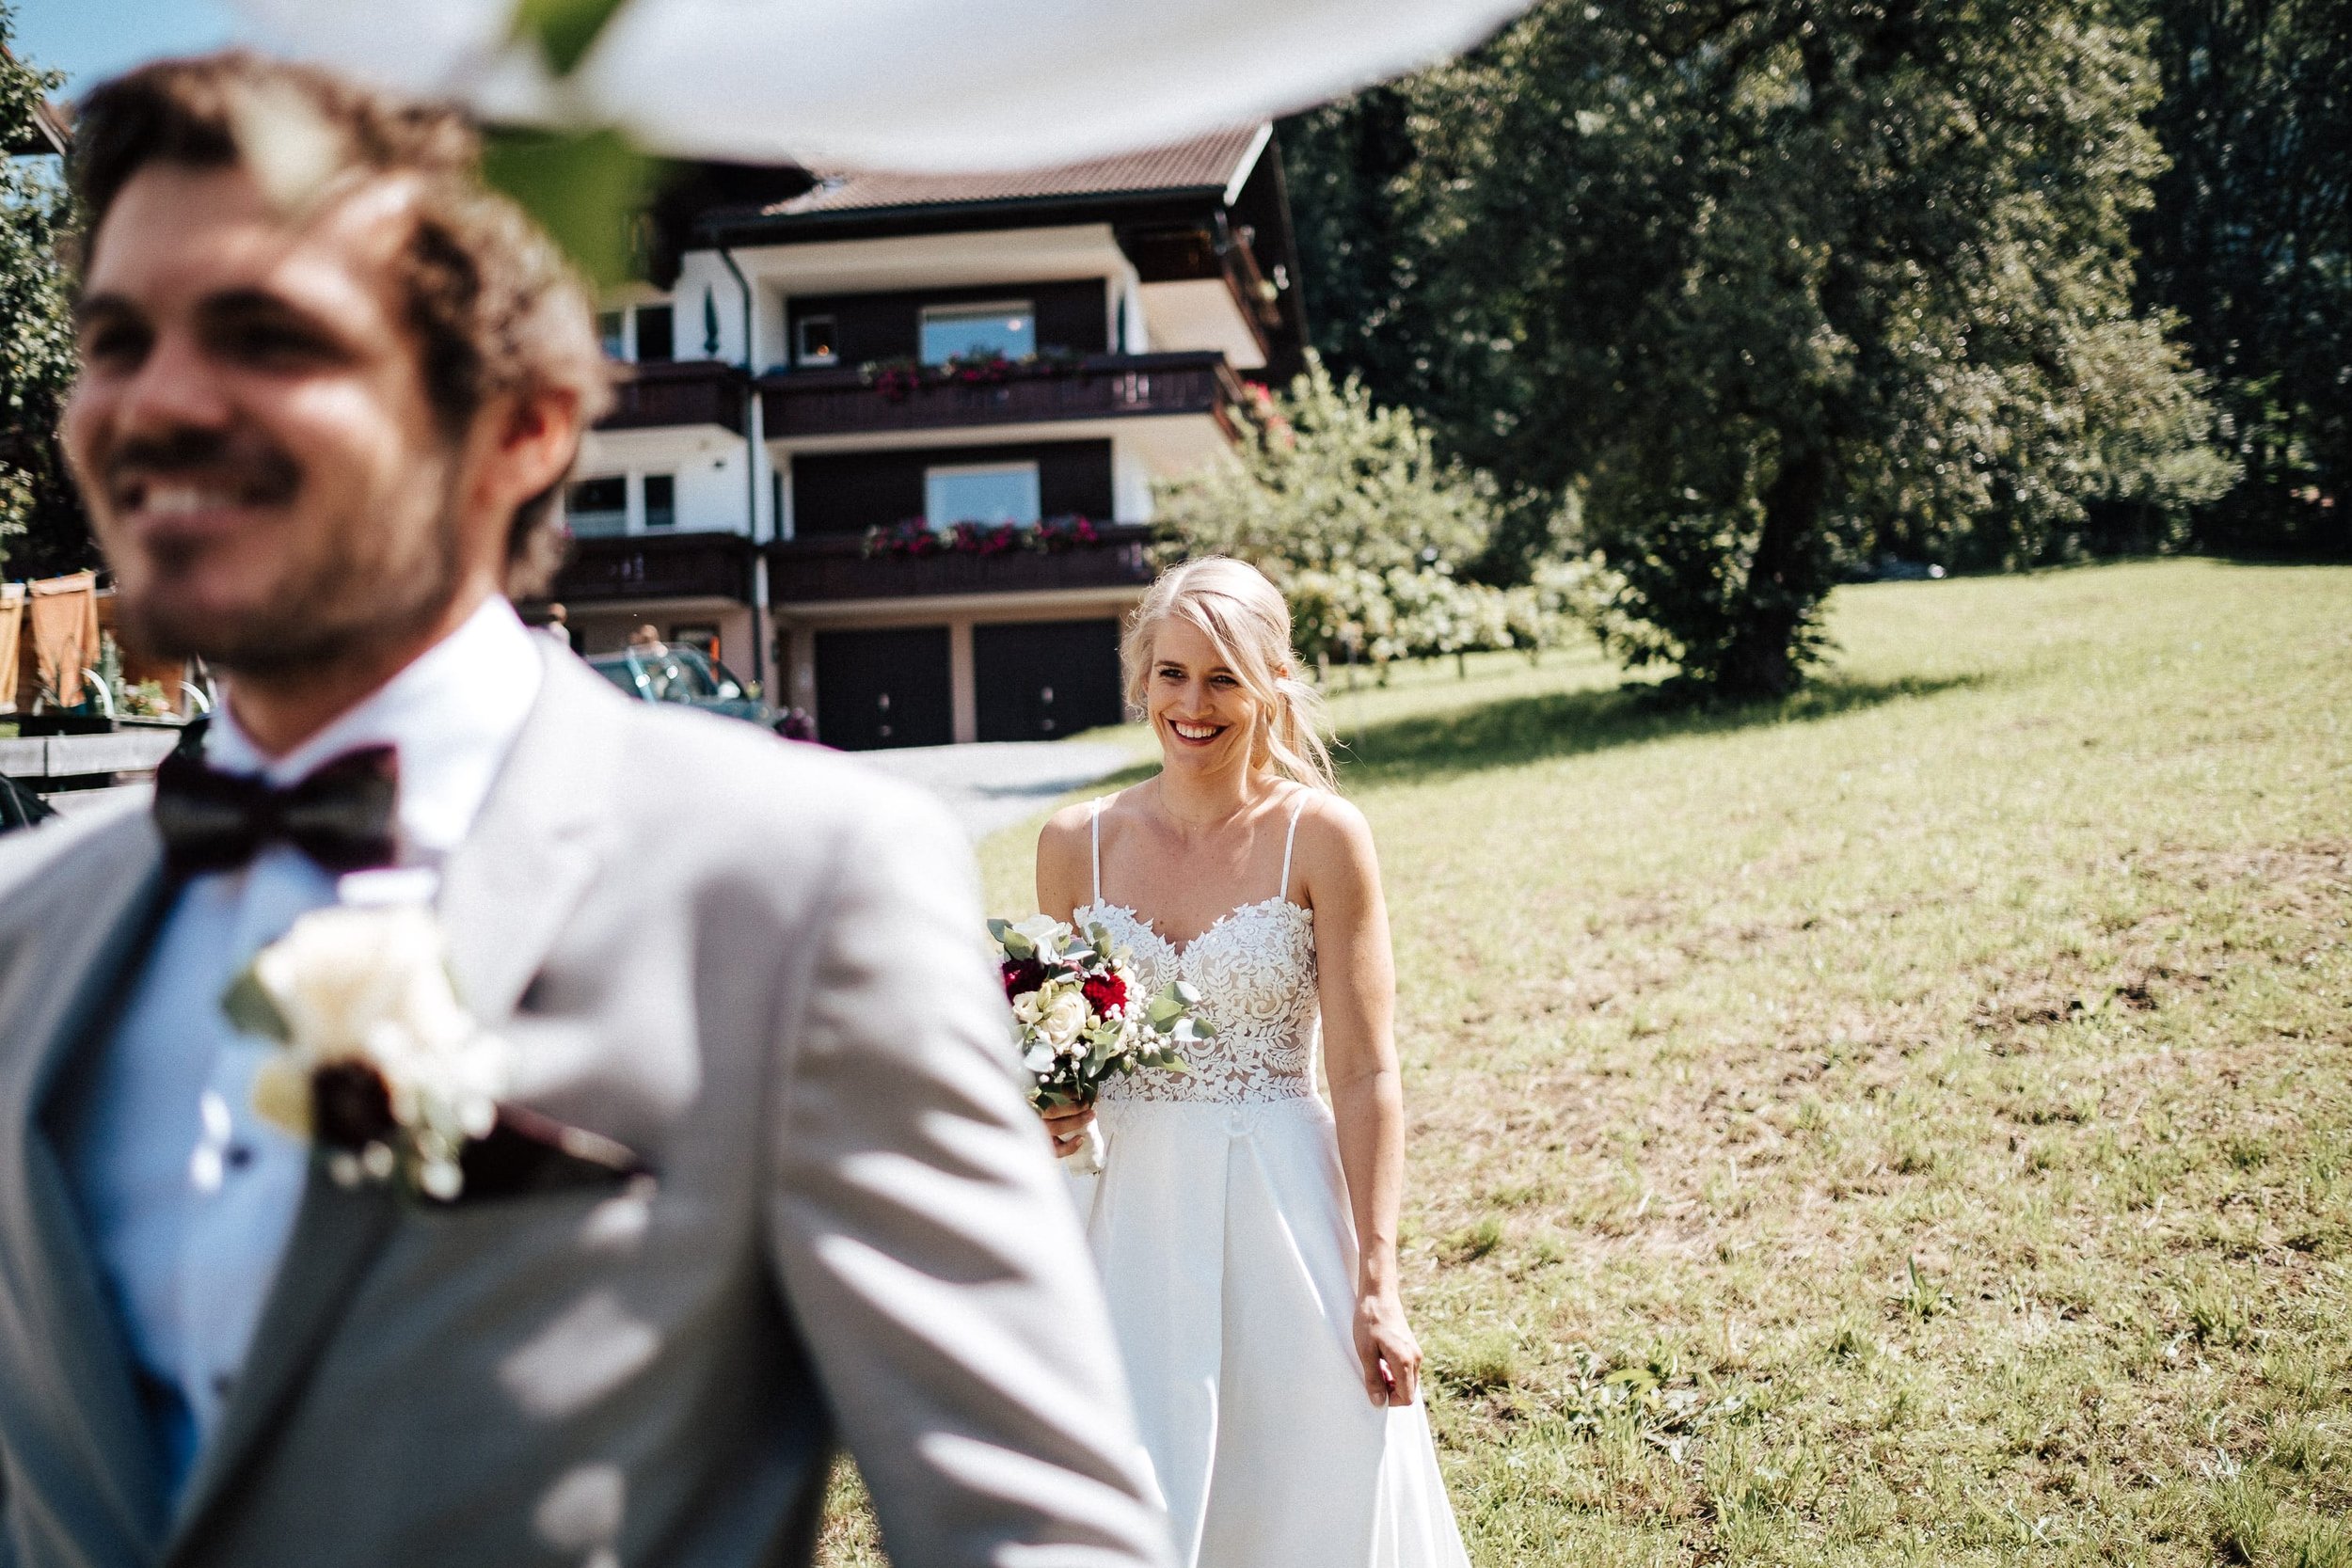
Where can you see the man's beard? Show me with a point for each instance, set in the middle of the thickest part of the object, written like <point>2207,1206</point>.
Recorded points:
<point>329,607</point>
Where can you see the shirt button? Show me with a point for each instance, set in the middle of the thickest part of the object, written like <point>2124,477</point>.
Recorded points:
<point>240,1156</point>
<point>224,1384</point>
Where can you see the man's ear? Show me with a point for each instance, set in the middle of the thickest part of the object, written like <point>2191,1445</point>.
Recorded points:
<point>536,436</point>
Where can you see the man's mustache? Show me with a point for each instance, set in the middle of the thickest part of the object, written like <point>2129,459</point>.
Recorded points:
<point>257,471</point>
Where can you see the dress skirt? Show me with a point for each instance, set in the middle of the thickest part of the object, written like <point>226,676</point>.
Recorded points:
<point>1229,1256</point>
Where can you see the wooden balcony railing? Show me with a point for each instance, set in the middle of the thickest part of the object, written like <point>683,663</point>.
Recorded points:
<point>828,569</point>
<point>843,403</point>
<point>679,393</point>
<point>656,566</point>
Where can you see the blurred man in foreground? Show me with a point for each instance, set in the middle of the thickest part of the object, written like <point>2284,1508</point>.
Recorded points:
<point>750,1169</point>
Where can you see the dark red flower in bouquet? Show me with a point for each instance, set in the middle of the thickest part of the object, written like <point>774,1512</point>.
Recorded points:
<point>1104,994</point>
<point>1022,974</point>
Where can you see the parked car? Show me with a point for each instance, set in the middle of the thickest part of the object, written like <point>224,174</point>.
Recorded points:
<point>669,673</point>
<point>18,806</point>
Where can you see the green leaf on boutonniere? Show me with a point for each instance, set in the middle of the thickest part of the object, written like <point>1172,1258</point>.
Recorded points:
<point>252,1012</point>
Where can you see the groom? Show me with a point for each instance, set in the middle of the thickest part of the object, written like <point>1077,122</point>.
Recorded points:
<point>767,1180</point>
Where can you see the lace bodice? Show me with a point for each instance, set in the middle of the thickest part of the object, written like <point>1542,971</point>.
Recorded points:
<point>1255,970</point>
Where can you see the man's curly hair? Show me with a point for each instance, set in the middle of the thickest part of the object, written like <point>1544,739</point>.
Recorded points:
<point>495,307</point>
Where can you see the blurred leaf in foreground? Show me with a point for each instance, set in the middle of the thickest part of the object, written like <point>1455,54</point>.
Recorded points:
<point>583,187</point>
<point>566,29</point>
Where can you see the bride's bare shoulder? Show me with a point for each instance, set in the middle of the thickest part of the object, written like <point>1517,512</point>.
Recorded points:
<point>1334,837</point>
<point>1064,831</point>
<point>1066,834</point>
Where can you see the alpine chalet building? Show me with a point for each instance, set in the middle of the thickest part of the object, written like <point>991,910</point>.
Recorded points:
<point>887,442</point>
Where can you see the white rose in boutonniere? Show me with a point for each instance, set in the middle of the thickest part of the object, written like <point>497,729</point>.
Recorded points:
<point>381,1062</point>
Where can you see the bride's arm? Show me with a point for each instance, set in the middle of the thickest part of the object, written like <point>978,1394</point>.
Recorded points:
<point>1356,983</point>
<point>1063,863</point>
<point>1063,869</point>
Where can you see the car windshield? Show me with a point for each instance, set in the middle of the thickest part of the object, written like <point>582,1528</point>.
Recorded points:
<point>668,672</point>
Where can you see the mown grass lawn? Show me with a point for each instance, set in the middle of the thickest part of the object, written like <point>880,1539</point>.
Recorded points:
<point>1907,1124</point>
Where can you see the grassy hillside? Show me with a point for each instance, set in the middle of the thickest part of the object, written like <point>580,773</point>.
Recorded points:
<point>1911,1124</point>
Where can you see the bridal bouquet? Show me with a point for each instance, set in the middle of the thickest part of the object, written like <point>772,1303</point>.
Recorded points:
<point>1078,1016</point>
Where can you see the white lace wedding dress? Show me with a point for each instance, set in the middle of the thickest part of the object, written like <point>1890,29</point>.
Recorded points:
<point>1227,1246</point>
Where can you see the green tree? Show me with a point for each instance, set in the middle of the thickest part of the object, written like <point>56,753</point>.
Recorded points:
<point>2249,240</point>
<point>1345,165</point>
<point>1781,284</point>
<point>41,529</point>
<point>1349,509</point>
<point>1327,480</point>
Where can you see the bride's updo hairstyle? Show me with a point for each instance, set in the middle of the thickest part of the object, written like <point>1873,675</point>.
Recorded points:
<point>1245,619</point>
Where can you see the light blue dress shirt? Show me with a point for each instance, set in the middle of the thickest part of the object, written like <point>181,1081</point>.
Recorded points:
<point>187,1195</point>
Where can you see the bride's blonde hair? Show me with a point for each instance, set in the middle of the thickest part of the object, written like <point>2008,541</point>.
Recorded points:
<point>1246,619</point>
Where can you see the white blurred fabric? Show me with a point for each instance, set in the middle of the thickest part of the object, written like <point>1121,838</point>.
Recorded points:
<point>1222,1228</point>
<point>908,84</point>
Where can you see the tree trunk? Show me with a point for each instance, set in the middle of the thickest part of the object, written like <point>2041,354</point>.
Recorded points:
<point>1783,583</point>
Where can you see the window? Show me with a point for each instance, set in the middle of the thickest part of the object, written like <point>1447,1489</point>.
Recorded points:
<point>612,330</point>
<point>660,500</point>
<point>981,493</point>
<point>977,331</point>
<point>655,341</point>
<point>816,344</point>
<point>598,508</point>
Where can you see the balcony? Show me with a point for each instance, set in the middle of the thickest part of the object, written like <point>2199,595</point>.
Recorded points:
<point>828,569</point>
<point>677,392</point>
<point>656,566</point>
<point>1109,386</point>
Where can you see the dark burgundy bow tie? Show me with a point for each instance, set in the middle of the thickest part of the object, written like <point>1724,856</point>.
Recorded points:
<point>340,816</point>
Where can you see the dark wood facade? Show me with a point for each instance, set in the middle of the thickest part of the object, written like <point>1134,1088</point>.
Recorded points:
<point>821,570</point>
<point>886,686</point>
<point>846,493</point>
<point>1040,680</point>
<point>1073,317</point>
<point>656,566</point>
<point>1113,385</point>
<point>679,393</point>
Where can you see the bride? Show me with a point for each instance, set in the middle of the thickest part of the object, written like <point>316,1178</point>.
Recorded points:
<point>1246,1232</point>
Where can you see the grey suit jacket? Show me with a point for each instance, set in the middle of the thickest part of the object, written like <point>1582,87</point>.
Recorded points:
<point>755,964</point>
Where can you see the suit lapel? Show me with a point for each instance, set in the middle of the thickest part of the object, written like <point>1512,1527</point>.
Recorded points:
<point>336,1237</point>
<point>505,893</point>
<point>507,890</point>
<point>77,931</point>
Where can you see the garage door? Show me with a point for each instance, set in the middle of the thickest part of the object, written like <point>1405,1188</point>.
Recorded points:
<point>1040,679</point>
<point>877,688</point>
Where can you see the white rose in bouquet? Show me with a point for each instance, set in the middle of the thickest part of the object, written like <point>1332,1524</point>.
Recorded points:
<point>1065,1020</point>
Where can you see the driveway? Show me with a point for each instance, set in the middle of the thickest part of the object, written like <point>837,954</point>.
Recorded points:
<point>992,784</point>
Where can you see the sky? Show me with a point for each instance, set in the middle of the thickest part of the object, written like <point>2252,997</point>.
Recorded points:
<point>91,39</point>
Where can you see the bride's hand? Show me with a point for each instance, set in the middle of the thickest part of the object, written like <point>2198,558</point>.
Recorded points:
<point>1068,1127</point>
<point>1390,1355</point>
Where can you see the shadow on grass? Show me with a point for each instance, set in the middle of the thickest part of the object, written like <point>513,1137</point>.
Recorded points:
<point>1515,730</point>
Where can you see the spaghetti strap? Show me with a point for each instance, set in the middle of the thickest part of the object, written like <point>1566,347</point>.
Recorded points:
<point>1094,819</point>
<point>1284,892</point>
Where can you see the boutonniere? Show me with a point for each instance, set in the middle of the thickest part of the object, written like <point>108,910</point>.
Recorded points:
<point>379,1064</point>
